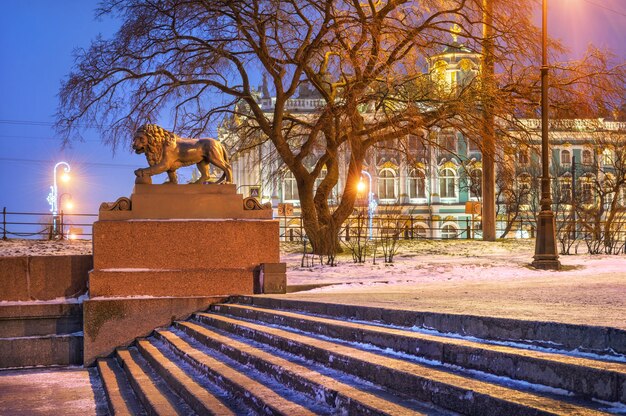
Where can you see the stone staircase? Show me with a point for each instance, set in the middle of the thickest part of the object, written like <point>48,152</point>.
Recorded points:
<point>259,355</point>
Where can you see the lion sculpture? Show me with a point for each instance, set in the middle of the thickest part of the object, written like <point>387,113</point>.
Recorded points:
<point>166,152</point>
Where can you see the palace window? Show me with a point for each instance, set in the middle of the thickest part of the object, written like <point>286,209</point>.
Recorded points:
<point>587,194</point>
<point>566,157</point>
<point>608,157</point>
<point>587,157</point>
<point>290,187</point>
<point>472,146</point>
<point>475,183</point>
<point>387,184</point>
<point>565,190</point>
<point>417,148</point>
<point>416,184</point>
<point>419,231</point>
<point>449,231</point>
<point>522,157</point>
<point>447,184</point>
<point>466,73</point>
<point>447,142</point>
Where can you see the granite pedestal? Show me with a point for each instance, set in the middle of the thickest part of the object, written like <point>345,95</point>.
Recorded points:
<point>168,251</point>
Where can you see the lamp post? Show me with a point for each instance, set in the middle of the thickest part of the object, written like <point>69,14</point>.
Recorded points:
<point>546,256</point>
<point>53,196</point>
<point>371,203</point>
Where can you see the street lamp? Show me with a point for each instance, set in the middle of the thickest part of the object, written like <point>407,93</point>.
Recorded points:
<point>371,203</point>
<point>53,196</point>
<point>546,256</point>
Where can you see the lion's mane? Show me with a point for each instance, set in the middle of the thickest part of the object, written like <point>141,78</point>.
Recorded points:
<point>157,138</point>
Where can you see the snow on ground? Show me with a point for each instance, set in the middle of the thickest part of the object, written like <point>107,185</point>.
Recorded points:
<point>51,391</point>
<point>22,247</point>
<point>422,261</point>
<point>474,277</point>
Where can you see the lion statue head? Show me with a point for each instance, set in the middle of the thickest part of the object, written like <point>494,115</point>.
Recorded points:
<point>150,139</point>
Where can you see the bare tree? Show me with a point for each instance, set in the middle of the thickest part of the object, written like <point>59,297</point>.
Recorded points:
<point>173,53</point>
<point>601,208</point>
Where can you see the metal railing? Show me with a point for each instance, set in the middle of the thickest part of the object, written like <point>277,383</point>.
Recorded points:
<point>45,225</point>
<point>408,227</point>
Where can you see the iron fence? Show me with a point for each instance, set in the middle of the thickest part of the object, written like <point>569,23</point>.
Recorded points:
<point>46,225</point>
<point>410,227</point>
<point>405,227</point>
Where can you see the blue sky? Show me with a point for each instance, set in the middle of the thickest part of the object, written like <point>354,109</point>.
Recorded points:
<point>36,42</point>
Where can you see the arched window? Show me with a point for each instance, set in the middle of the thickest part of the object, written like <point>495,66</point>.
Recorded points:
<point>466,73</point>
<point>387,184</point>
<point>447,183</point>
<point>449,231</point>
<point>475,183</point>
<point>587,157</point>
<point>419,231</point>
<point>566,157</point>
<point>290,187</point>
<point>588,194</point>
<point>416,184</point>
<point>565,189</point>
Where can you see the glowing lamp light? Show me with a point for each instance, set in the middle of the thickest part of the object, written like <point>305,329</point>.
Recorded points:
<point>69,205</point>
<point>65,177</point>
<point>360,186</point>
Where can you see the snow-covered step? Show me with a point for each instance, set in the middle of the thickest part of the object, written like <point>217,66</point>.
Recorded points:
<point>345,396</point>
<point>151,390</point>
<point>198,398</point>
<point>240,382</point>
<point>120,397</point>
<point>458,393</point>
<point>569,337</point>
<point>582,376</point>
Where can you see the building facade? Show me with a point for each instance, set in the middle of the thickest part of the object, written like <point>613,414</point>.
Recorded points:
<point>435,184</point>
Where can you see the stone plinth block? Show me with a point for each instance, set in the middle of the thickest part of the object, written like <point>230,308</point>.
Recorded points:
<point>185,244</point>
<point>111,322</point>
<point>184,201</point>
<point>148,282</point>
<point>14,278</point>
<point>43,277</point>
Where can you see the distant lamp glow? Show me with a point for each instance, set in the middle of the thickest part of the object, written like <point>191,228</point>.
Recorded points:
<point>360,186</point>
<point>65,177</point>
<point>371,203</point>
<point>65,201</point>
<point>74,232</point>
